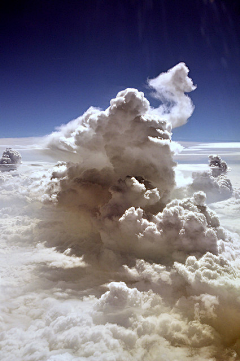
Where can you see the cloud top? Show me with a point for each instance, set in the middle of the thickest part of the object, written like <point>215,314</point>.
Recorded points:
<point>170,87</point>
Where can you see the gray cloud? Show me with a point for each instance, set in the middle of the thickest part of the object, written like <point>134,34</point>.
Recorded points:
<point>10,159</point>
<point>214,182</point>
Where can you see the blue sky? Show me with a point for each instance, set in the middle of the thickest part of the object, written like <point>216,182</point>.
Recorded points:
<point>60,57</point>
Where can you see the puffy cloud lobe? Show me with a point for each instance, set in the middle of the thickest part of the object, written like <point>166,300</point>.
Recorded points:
<point>170,87</point>
<point>182,228</point>
<point>215,283</point>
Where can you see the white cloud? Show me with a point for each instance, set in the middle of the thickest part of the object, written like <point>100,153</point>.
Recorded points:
<point>170,88</point>
<point>97,264</point>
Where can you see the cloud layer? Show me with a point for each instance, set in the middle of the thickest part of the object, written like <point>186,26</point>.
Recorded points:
<point>100,262</point>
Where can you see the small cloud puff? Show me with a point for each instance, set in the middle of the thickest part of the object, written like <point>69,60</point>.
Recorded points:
<point>214,182</point>
<point>10,159</point>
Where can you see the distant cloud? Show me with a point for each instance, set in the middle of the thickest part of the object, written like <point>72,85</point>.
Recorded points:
<point>214,182</point>
<point>10,159</point>
<point>10,156</point>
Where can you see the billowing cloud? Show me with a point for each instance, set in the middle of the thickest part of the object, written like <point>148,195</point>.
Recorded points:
<point>170,88</point>
<point>99,262</point>
<point>214,182</point>
<point>122,141</point>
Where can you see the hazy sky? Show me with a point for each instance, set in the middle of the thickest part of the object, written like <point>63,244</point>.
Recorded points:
<point>60,57</point>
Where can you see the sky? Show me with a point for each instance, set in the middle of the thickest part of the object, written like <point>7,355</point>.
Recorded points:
<point>58,58</point>
<point>109,249</point>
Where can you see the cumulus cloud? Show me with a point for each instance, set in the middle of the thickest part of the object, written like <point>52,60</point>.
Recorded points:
<point>98,262</point>
<point>214,182</point>
<point>170,88</point>
<point>122,141</point>
<point>182,228</point>
<point>10,159</point>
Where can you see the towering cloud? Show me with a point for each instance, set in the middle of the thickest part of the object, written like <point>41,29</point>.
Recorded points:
<point>102,263</point>
<point>123,141</point>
